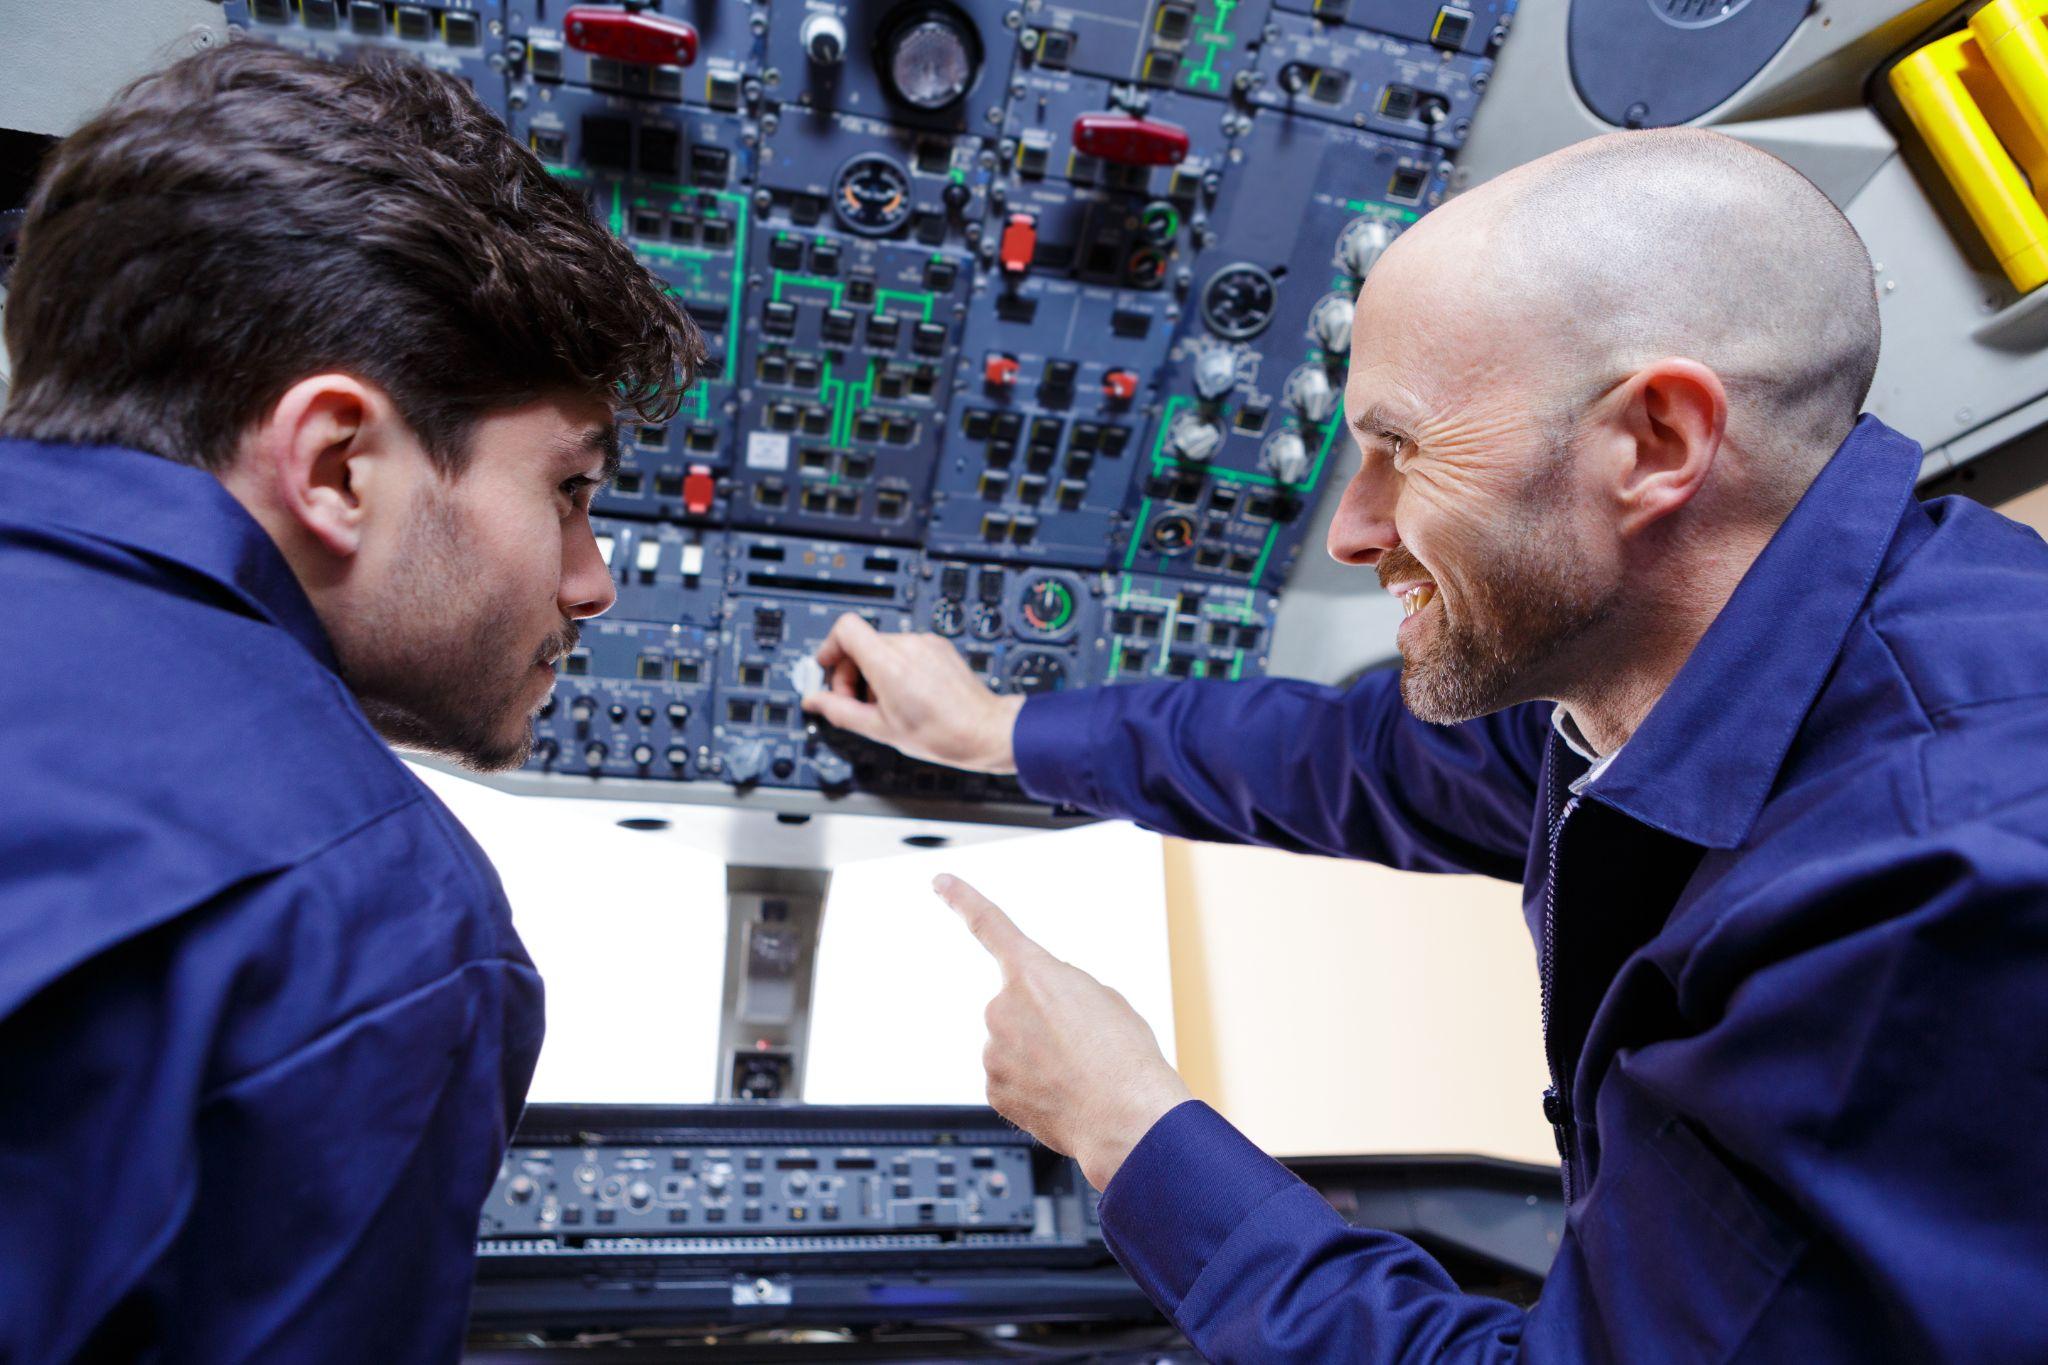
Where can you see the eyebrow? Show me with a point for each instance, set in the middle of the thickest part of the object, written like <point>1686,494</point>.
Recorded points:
<point>1374,423</point>
<point>602,441</point>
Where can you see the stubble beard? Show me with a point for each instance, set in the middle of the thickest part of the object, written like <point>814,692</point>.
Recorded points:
<point>1516,615</point>
<point>440,674</point>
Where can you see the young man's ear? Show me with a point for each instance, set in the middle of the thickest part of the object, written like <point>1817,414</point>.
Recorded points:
<point>319,453</point>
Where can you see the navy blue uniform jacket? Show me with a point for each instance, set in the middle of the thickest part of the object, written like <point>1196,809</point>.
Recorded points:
<point>264,1022</point>
<point>1793,946</point>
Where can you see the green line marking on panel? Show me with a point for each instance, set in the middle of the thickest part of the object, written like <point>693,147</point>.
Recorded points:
<point>834,287</point>
<point>917,299</point>
<point>1384,210</point>
<point>1265,553</point>
<point>1137,538</point>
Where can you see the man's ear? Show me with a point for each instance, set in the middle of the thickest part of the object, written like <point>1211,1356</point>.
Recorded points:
<point>1673,414</point>
<point>315,452</point>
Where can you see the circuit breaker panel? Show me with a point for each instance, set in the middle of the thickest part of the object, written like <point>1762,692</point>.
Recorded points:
<point>1028,323</point>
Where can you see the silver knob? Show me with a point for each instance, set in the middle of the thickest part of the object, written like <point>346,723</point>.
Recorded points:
<point>1362,244</point>
<point>1309,393</point>
<point>1286,455</point>
<point>1331,324</point>
<point>521,1190</point>
<point>1195,439</point>
<point>1215,372</point>
<point>639,1194</point>
<point>824,39</point>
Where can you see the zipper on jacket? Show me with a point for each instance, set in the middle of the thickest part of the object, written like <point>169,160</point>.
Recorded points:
<point>1557,1105</point>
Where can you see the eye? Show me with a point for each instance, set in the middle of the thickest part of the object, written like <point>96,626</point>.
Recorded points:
<point>578,491</point>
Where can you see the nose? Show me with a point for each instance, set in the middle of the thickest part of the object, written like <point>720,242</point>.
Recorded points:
<point>1363,528</point>
<point>587,589</point>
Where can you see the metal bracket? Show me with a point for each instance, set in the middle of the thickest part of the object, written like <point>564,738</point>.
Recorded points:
<point>773,915</point>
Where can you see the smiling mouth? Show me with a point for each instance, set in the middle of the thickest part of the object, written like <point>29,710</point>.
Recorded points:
<point>1416,596</point>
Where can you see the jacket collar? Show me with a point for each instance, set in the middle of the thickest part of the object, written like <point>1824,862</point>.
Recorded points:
<point>168,511</point>
<point>1706,757</point>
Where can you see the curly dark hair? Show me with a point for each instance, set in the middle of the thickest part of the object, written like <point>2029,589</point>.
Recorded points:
<point>249,216</point>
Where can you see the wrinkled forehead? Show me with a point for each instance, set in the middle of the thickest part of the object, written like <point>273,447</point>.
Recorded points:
<point>1438,328</point>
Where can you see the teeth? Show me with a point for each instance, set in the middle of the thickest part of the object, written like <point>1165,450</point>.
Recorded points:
<point>1416,598</point>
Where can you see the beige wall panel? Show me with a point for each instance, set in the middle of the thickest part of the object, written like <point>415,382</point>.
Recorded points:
<point>1330,1007</point>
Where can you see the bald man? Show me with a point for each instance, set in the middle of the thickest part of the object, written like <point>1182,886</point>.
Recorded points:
<point>1763,738</point>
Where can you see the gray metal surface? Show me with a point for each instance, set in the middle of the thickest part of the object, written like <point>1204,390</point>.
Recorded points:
<point>59,60</point>
<point>773,918</point>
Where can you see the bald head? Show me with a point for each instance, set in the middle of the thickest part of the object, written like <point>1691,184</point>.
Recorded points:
<point>1673,242</point>
<point>1585,396</point>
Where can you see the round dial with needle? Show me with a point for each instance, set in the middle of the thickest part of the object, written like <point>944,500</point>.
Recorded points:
<point>872,195</point>
<point>1047,608</point>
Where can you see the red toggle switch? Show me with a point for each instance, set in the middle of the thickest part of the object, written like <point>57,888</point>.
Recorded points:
<point>1020,243</point>
<point>699,488</point>
<point>1120,385</point>
<point>999,370</point>
<point>642,39</point>
<point>1130,141</point>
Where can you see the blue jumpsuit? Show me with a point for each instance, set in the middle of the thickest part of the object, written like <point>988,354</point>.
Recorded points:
<point>1793,946</point>
<point>264,1021</point>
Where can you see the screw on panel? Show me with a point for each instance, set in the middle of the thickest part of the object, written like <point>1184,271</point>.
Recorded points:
<point>995,116</point>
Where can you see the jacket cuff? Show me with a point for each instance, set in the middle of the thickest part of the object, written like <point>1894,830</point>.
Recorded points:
<point>1180,1194</point>
<point>1054,743</point>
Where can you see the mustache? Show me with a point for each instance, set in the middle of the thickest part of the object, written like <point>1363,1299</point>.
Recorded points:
<point>1398,566</point>
<point>558,644</point>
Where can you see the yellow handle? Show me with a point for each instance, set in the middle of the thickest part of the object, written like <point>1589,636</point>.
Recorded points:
<point>1931,87</point>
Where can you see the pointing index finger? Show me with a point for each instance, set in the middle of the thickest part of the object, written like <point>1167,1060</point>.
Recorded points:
<point>1008,944</point>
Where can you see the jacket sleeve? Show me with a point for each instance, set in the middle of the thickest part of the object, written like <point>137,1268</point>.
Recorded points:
<point>1253,1266</point>
<point>1837,1158</point>
<point>1345,772</point>
<point>374,1146</point>
<point>318,1204</point>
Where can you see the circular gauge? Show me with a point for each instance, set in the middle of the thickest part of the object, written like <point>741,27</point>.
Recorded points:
<point>1171,535</point>
<point>986,621</point>
<point>1047,608</point>
<point>872,194</point>
<point>946,618</point>
<point>928,54</point>
<point>1032,671</point>
<point>1146,268</point>
<point>1238,301</point>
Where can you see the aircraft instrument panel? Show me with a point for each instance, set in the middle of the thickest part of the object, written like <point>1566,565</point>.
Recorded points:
<point>1028,322</point>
